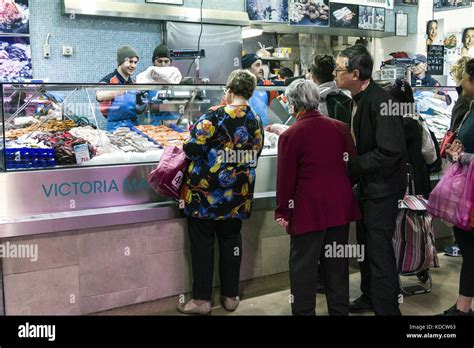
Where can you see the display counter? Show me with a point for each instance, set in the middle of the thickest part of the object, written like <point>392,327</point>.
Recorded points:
<point>82,230</point>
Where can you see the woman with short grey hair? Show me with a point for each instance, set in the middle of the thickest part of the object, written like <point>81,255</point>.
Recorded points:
<point>315,202</point>
<point>304,95</point>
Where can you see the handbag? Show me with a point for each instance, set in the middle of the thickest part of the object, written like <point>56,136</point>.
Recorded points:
<point>466,206</point>
<point>168,176</point>
<point>448,138</point>
<point>446,197</point>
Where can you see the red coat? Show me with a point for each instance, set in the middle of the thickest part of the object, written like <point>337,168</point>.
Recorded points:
<point>313,187</point>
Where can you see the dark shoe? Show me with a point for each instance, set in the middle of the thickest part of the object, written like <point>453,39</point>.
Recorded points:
<point>320,289</point>
<point>361,305</point>
<point>230,304</point>
<point>454,311</point>
<point>452,250</point>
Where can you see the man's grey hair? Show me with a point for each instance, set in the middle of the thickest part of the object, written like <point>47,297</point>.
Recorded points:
<point>303,95</point>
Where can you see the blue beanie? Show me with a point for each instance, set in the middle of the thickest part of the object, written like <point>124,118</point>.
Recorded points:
<point>248,60</point>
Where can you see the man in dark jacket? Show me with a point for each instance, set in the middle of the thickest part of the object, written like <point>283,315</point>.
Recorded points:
<point>381,167</point>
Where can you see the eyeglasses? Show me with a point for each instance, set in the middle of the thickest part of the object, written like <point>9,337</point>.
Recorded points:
<point>339,70</point>
<point>162,61</point>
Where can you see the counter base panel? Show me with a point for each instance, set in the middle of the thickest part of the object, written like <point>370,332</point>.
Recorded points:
<point>92,270</point>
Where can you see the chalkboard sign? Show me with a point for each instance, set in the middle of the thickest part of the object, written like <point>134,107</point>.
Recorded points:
<point>435,60</point>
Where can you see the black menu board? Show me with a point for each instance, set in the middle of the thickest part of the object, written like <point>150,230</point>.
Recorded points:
<point>435,60</point>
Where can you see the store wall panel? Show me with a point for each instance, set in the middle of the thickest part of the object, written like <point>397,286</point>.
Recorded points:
<point>168,274</point>
<point>263,224</point>
<point>101,303</point>
<point>52,251</point>
<point>251,251</point>
<point>112,259</point>
<point>48,292</point>
<point>94,40</point>
<point>275,255</point>
<point>165,236</point>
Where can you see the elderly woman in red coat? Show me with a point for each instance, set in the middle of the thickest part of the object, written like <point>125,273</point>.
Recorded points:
<point>315,202</point>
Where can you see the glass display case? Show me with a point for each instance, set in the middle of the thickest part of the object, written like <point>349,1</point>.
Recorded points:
<point>57,126</point>
<point>74,147</point>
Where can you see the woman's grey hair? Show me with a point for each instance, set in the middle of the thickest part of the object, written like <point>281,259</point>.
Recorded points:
<point>303,95</point>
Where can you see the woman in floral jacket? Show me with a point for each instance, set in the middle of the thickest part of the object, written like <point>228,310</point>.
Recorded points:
<point>224,148</point>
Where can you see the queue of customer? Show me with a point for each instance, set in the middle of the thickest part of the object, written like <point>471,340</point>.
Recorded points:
<point>343,160</point>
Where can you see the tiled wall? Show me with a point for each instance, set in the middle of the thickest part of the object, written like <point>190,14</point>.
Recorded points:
<point>95,40</point>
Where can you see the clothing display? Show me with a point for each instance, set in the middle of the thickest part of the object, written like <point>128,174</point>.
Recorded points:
<point>434,111</point>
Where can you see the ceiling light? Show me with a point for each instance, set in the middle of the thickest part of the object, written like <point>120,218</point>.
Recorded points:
<point>248,32</point>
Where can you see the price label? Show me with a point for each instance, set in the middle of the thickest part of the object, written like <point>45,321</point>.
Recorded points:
<point>82,153</point>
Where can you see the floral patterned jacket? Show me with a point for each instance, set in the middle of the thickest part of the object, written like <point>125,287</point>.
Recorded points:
<point>224,147</point>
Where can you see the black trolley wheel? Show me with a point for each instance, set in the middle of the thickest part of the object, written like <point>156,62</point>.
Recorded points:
<point>423,276</point>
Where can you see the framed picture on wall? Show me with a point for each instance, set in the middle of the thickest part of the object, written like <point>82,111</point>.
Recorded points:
<point>406,2</point>
<point>268,10</point>
<point>14,17</point>
<point>344,15</point>
<point>434,32</point>
<point>167,2</point>
<point>443,5</point>
<point>371,18</point>
<point>15,58</point>
<point>314,13</point>
<point>401,24</point>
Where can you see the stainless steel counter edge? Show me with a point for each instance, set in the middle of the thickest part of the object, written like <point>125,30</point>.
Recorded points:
<point>103,217</point>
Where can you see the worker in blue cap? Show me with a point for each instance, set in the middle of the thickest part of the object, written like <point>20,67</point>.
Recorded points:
<point>420,78</point>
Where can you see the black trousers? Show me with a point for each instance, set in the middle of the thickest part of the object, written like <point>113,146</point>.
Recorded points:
<point>202,238</point>
<point>465,241</point>
<point>305,251</point>
<point>379,274</point>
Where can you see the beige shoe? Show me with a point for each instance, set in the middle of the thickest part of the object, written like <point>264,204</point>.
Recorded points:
<point>191,307</point>
<point>230,304</point>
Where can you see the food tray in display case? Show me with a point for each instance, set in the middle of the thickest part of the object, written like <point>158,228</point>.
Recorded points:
<point>45,123</point>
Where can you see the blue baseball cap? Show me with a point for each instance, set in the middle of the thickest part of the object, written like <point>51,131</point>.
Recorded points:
<point>420,58</point>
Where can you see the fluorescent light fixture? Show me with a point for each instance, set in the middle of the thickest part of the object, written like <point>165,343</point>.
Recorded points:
<point>248,32</point>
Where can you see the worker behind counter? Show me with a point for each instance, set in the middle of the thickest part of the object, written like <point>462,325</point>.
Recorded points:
<point>160,73</point>
<point>260,99</point>
<point>121,108</point>
<point>420,78</point>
